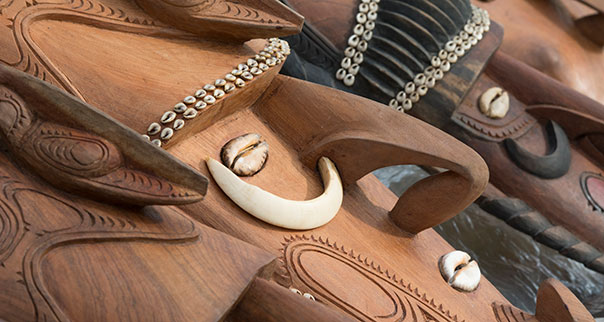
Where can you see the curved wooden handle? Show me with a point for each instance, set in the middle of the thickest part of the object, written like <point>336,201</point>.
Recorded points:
<point>360,136</point>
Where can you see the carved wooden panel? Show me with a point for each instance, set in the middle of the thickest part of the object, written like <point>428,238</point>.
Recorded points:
<point>339,276</point>
<point>64,258</point>
<point>76,160</point>
<point>17,16</point>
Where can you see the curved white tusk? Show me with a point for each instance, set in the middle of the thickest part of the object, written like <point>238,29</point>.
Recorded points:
<point>459,271</point>
<point>281,212</point>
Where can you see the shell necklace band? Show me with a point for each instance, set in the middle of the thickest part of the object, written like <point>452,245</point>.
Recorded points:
<point>440,63</point>
<point>173,120</point>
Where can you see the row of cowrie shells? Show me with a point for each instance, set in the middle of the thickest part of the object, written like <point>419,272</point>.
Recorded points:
<point>358,42</point>
<point>441,63</point>
<point>306,295</point>
<point>273,54</point>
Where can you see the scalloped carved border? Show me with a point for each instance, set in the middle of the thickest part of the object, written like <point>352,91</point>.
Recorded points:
<point>411,304</point>
<point>490,132</point>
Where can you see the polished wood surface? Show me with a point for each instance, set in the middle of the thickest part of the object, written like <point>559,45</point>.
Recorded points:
<point>553,46</point>
<point>377,259</point>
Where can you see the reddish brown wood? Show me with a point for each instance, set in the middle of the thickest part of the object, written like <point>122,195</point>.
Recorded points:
<point>554,45</point>
<point>79,148</point>
<point>63,258</point>
<point>556,303</point>
<point>361,263</point>
<point>226,20</point>
<point>268,301</point>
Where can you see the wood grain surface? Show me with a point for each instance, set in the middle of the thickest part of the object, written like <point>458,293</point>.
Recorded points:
<point>554,45</point>
<point>64,257</point>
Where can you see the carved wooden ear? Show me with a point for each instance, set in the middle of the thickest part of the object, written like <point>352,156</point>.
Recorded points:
<point>360,136</point>
<point>78,148</point>
<point>222,19</point>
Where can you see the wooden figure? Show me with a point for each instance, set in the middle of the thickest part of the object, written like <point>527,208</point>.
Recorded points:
<point>534,138</point>
<point>65,257</point>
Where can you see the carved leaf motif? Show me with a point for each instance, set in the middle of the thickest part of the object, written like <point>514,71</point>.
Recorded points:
<point>391,298</point>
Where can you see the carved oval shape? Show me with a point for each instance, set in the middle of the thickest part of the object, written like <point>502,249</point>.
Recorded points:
<point>76,154</point>
<point>327,271</point>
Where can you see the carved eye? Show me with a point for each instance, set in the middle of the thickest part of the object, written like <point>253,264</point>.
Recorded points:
<point>76,153</point>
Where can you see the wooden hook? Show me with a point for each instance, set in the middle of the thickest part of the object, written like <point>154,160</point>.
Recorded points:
<point>360,136</point>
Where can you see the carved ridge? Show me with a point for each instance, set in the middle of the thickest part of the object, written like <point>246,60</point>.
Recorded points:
<point>286,275</point>
<point>512,129</point>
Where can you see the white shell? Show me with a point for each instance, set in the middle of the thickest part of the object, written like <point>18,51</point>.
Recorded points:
<point>178,124</point>
<point>358,58</point>
<point>230,77</point>
<point>401,96</point>
<point>229,88</point>
<point>247,76</point>
<point>358,29</point>
<point>168,117</point>
<point>409,87</point>
<point>349,80</point>
<point>190,113</point>
<point>361,17</point>
<point>200,93</point>
<point>407,104</point>
<point>166,134</point>
<point>189,100</point>
<point>353,41</point>
<point>414,97</point>
<point>422,90</point>
<point>218,93</point>
<point>209,99</point>
<point>209,87</point>
<point>180,107</point>
<point>459,271</point>
<point>346,62</point>
<point>201,105</point>
<point>153,128</point>
<point>349,52</point>
<point>494,103</point>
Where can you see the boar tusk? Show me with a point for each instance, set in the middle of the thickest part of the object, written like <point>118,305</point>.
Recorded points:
<point>291,214</point>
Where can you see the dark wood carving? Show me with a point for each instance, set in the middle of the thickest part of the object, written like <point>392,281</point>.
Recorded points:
<point>591,184</point>
<point>554,164</point>
<point>406,36</point>
<point>519,215</point>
